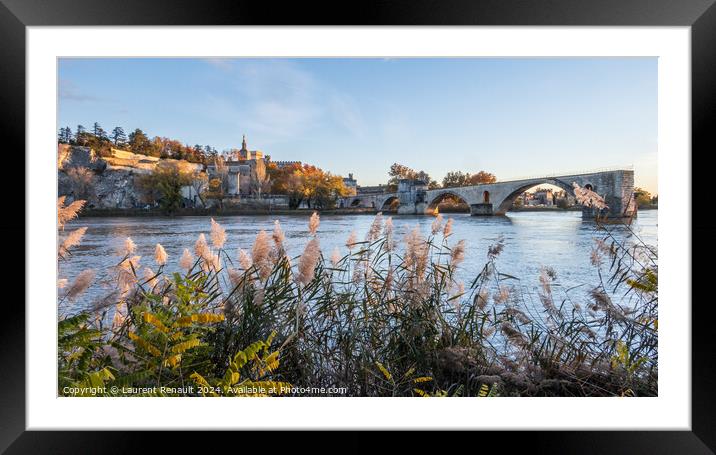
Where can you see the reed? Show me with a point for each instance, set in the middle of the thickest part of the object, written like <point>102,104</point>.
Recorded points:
<point>378,317</point>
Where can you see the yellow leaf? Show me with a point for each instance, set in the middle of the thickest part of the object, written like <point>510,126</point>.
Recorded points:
<point>144,344</point>
<point>484,390</point>
<point>181,347</point>
<point>272,361</point>
<point>153,320</point>
<point>409,372</point>
<point>200,318</point>
<point>173,361</point>
<point>384,370</point>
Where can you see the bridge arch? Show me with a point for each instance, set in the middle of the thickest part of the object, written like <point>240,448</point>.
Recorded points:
<point>389,203</point>
<point>446,195</point>
<point>504,205</point>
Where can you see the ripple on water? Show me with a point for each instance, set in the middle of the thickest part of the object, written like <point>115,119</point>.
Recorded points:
<point>560,240</point>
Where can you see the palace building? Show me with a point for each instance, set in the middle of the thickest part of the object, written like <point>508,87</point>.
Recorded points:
<point>244,169</point>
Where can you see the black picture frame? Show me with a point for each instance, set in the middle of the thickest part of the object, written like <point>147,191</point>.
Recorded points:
<point>700,15</point>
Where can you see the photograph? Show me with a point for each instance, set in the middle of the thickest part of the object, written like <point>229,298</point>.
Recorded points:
<point>357,227</point>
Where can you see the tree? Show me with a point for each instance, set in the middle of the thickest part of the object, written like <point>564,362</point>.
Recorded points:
<point>259,178</point>
<point>79,135</point>
<point>643,197</point>
<point>99,132</point>
<point>166,182</point>
<point>118,136</point>
<point>329,188</point>
<point>199,183</point>
<point>197,155</point>
<point>306,183</point>
<point>398,171</point>
<point>482,177</point>
<point>219,185</point>
<point>294,189</point>
<point>65,135</point>
<point>139,142</point>
<point>456,178</point>
<point>215,191</point>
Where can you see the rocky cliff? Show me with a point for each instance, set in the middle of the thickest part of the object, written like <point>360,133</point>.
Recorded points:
<point>111,179</point>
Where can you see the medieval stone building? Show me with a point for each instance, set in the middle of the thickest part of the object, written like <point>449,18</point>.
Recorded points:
<point>244,170</point>
<point>351,185</point>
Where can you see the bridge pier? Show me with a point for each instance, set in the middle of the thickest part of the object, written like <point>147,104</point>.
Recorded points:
<point>417,208</point>
<point>483,209</point>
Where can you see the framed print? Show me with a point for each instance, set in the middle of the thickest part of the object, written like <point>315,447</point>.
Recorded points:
<point>248,218</point>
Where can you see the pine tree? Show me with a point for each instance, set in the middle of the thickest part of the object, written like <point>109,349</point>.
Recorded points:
<point>65,135</point>
<point>99,132</point>
<point>78,135</point>
<point>118,136</point>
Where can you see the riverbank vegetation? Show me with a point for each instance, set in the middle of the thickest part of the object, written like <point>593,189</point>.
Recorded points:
<point>645,200</point>
<point>381,316</point>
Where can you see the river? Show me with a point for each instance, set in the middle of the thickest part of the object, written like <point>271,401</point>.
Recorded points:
<point>560,240</point>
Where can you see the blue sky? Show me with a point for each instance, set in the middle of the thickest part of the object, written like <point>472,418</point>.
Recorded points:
<point>512,117</point>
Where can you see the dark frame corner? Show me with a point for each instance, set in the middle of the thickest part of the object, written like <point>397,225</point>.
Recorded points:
<point>16,15</point>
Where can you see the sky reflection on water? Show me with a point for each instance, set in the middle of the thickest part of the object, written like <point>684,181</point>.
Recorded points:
<point>560,240</point>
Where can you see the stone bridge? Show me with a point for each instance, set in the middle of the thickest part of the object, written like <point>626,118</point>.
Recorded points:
<point>413,197</point>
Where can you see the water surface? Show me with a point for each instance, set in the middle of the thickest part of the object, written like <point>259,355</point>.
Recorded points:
<point>560,240</point>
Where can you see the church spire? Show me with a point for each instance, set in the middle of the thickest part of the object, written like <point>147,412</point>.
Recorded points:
<point>243,143</point>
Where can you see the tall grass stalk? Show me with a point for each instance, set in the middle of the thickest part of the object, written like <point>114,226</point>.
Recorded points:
<point>378,318</point>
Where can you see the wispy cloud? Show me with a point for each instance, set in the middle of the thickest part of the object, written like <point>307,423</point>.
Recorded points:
<point>279,100</point>
<point>69,91</point>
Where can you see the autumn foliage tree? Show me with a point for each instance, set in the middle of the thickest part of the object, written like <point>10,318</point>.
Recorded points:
<point>305,183</point>
<point>398,171</point>
<point>644,198</point>
<point>459,178</point>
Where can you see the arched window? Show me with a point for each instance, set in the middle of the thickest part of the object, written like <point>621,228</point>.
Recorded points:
<point>486,197</point>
